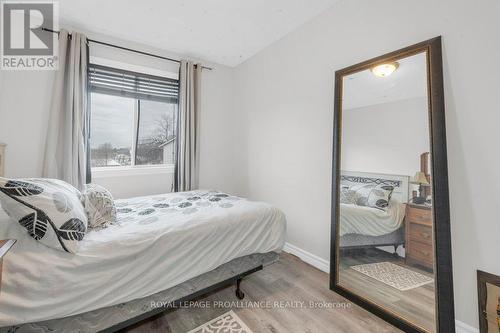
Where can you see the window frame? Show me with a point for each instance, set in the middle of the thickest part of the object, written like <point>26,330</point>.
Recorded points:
<point>132,169</point>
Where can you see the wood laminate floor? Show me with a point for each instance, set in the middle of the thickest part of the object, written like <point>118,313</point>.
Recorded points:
<point>416,305</point>
<point>288,281</point>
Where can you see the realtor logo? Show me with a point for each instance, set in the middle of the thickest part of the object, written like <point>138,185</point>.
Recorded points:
<point>24,45</point>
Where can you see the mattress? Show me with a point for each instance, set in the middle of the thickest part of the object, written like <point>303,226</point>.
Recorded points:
<point>158,242</point>
<point>110,319</point>
<point>370,221</point>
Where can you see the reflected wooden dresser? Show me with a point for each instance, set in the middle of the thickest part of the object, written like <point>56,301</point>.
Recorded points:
<point>418,243</point>
<point>5,246</point>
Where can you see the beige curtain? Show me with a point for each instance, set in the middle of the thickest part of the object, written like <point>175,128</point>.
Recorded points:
<point>66,144</point>
<point>187,166</point>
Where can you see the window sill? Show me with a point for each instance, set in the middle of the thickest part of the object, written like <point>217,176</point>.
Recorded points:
<point>107,172</point>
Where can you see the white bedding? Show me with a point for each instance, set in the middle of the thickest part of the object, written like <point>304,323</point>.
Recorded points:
<point>144,253</point>
<point>369,221</point>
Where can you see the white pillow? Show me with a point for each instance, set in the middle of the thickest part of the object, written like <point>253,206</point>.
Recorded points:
<point>99,206</point>
<point>51,210</point>
<point>371,195</point>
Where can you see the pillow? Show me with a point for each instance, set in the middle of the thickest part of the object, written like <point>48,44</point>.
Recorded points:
<point>375,196</point>
<point>380,196</point>
<point>99,206</point>
<point>347,196</point>
<point>49,209</point>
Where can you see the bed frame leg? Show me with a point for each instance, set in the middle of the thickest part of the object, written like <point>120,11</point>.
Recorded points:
<point>240,294</point>
<point>396,251</point>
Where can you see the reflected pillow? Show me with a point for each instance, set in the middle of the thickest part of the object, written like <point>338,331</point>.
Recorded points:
<point>50,210</point>
<point>375,196</point>
<point>347,196</point>
<point>99,206</point>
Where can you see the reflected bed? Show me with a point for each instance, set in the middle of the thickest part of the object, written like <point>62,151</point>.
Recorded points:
<point>364,227</point>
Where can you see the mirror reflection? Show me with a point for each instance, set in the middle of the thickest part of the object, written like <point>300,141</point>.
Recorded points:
<point>386,224</point>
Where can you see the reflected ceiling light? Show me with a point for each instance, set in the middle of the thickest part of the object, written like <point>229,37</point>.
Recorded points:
<point>384,70</point>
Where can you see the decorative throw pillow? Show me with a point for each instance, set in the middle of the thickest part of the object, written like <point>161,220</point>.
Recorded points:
<point>49,209</point>
<point>347,196</point>
<point>380,196</point>
<point>99,206</point>
<point>375,196</point>
<point>361,193</point>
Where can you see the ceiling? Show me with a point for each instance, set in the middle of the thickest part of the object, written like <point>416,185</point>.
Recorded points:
<point>408,81</point>
<point>222,31</point>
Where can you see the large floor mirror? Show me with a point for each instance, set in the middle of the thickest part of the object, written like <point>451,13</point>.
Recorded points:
<point>391,250</point>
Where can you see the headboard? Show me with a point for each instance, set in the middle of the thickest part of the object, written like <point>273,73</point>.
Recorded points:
<point>400,183</point>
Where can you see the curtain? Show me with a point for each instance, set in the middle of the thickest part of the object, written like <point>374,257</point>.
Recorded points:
<point>66,147</point>
<point>187,164</point>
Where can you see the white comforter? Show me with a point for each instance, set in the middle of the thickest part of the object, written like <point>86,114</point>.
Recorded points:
<point>369,221</point>
<point>158,242</point>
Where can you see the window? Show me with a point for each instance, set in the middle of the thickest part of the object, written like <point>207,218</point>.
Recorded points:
<point>133,118</point>
<point>156,133</point>
<point>112,130</point>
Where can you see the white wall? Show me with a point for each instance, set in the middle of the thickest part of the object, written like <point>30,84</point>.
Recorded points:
<point>24,108</point>
<point>284,113</point>
<point>385,138</point>
<point>218,146</point>
<point>126,184</point>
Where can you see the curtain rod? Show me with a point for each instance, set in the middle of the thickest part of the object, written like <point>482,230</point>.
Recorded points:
<point>127,49</point>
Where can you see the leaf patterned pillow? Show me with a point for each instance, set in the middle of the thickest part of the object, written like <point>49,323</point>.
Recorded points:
<point>375,196</point>
<point>99,206</point>
<point>380,196</point>
<point>49,209</point>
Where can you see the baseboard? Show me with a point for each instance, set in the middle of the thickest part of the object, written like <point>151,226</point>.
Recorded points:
<point>311,259</point>
<point>462,327</point>
<point>324,265</point>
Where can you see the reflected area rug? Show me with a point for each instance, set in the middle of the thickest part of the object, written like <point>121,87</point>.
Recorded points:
<point>393,275</point>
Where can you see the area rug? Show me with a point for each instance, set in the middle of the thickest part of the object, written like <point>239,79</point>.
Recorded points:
<point>394,275</point>
<point>229,322</point>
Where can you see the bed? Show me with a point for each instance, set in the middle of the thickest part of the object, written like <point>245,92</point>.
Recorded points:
<point>163,248</point>
<point>364,227</point>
